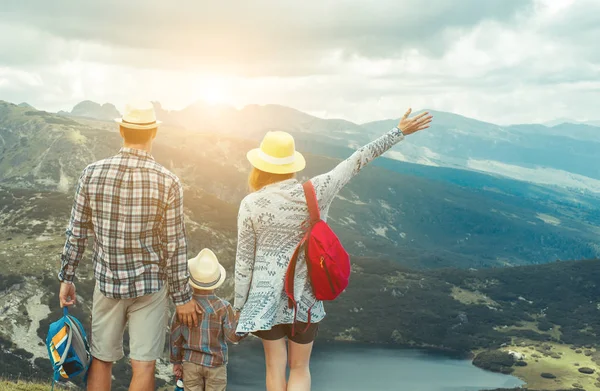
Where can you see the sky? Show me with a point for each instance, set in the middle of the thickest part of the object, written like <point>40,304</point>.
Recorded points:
<point>503,61</point>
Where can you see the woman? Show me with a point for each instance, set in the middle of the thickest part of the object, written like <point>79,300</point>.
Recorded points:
<point>270,225</point>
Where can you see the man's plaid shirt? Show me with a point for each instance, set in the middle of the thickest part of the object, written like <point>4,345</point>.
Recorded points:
<point>133,209</point>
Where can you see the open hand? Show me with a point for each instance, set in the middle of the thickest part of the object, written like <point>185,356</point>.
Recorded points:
<point>412,125</point>
<point>67,294</point>
<point>188,313</point>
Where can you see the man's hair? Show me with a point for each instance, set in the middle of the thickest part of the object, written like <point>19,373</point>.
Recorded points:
<point>259,179</point>
<point>135,136</point>
<point>202,291</point>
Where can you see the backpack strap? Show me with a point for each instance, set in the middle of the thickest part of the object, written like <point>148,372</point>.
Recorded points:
<point>311,200</point>
<point>68,345</point>
<point>290,274</point>
<point>315,215</point>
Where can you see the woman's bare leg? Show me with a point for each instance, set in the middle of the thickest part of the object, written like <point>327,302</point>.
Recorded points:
<point>299,362</point>
<point>276,359</point>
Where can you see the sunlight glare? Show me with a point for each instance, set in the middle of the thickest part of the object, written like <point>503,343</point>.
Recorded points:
<point>213,91</point>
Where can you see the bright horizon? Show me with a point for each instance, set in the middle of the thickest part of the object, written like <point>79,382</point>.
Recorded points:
<point>504,61</point>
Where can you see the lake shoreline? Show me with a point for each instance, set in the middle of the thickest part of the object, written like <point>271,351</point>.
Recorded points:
<point>337,363</point>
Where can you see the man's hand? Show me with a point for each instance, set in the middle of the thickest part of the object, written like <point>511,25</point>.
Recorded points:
<point>178,371</point>
<point>188,313</point>
<point>67,294</point>
<point>413,125</point>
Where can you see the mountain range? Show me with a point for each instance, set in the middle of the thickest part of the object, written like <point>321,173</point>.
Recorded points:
<point>428,237</point>
<point>563,155</point>
<point>422,215</point>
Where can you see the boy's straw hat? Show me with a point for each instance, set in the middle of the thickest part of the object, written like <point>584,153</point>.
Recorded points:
<point>205,271</point>
<point>139,116</point>
<point>277,154</point>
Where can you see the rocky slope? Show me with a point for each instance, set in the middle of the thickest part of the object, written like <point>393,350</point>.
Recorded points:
<point>393,220</point>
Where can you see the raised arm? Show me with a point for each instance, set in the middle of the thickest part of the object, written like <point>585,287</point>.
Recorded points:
<point>328,185</point>
<point>244,260</point>
<point>77,237</point>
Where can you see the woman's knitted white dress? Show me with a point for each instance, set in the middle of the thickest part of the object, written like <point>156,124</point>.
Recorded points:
<point>270,226</point>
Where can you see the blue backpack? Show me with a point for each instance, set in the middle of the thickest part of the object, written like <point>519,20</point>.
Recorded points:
<point>68,348</point>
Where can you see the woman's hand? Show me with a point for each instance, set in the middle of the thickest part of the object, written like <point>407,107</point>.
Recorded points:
<point>412,125</point>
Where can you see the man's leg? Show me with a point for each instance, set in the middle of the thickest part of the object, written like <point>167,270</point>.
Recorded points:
<point>100,375</point>
<point>108,325</point>
<point>148,317</point>
<point>143,375</point>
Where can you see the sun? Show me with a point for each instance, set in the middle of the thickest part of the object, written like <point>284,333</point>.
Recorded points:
<point>212,91</point>
<point>213,95</point>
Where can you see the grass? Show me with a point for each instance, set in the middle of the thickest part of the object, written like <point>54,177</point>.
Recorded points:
<point>23,386</point>
<point>469,297</point>
<point>563,368</point>
<point>532,326</point>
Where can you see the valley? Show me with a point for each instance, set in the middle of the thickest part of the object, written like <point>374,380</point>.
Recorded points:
<point>444,258</point>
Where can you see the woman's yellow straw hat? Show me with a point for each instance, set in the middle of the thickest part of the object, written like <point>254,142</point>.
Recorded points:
<point>277,154</point>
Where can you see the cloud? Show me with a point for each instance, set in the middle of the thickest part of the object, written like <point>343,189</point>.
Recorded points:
<point>498,60</point>
<point>263,37</point>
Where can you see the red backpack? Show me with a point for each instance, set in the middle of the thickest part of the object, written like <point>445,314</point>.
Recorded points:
<point>327,261</point>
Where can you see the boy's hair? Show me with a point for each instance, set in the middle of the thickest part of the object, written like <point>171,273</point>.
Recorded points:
<point>200,291</point>
<point>259,179</point>
<point>134,136</point>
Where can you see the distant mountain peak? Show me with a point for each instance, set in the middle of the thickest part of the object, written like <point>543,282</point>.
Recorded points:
<point>26,105</point>
<point>561,121</point>
<point>91,109</point>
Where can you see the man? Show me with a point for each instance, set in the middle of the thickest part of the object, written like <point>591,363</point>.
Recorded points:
<point>133,207</point>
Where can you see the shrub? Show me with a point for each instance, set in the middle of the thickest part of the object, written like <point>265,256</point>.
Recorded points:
<point>495,361</point>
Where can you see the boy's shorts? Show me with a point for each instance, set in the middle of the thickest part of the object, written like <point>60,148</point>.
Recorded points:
<point>285,330</point>
<point>200,378</point>
<point>147,317</point>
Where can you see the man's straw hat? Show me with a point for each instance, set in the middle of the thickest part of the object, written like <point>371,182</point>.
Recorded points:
<point>139,116</point>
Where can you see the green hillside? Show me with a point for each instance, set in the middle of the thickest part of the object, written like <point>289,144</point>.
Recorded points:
<point>412,217</point>
<point>422,248</point>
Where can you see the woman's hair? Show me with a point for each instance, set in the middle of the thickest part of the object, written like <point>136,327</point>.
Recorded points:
<point>259,179</point>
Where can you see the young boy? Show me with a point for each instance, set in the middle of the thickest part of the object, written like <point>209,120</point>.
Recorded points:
<point>199,354</point>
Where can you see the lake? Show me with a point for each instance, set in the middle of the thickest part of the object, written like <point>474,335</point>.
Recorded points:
<point>344,367</point>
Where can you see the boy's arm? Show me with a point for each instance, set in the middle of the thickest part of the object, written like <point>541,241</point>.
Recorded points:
<point>176,341</point>
<point>230,324</point>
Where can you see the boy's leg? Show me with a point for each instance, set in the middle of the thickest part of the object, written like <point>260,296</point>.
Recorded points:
<point>147,329</point>
<point>108,324</point>
<point>193,379</point>
<point>216,378</point>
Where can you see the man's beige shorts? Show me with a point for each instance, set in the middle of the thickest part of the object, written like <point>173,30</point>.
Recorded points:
<point>147,317</point>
